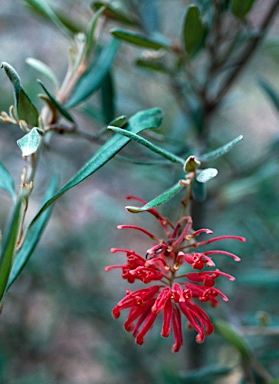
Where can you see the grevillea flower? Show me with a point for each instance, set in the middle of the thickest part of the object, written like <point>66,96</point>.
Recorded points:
<point>179,276</point>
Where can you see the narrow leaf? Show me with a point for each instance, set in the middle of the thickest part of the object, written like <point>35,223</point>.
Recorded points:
<point>7,182</point>
<point>164,197</point>
<point>138,39</point>
<point>150,118</point>
<point>91,30</point>
<point>92,79</point>
<point>43,69</point>
<point>8,246</point>
<point>233,338</point>
<point>107,98</point>
<point>193,30</point>
<point>44,9</point>
<point>198,191</point>
<point>153,65</point>
<point>29,143</point>
<point>59,106</point>
<point>24,108</point>
<point>269,90</point>
<point>221,150</point>
<point>240,8</point>
<point>148,144</point>
<point>32,238</point>
<point>206,174</point>
<point>114,13</point>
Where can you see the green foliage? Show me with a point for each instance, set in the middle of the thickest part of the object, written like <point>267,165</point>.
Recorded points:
<point>43,69</point>
<point>193,30</point>
<point>240,8</point>
<point>138,39</point>
<point>30,142</point>
<point>93,78</point>
<point>25,110</point>
<point>7,182</point>
<point>206,174</point>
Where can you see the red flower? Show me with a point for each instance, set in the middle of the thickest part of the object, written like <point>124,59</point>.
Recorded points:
<point>165,265</point>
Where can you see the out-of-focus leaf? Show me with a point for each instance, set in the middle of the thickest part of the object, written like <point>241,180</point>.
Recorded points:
<point>59,106</point>
<point>206,174</point>
<point>43,8</point>
<point>168,155</point>
<point>205,375</point>
<point>193,30</point>
<point>150,118</point>
<point>92,79</point>
<point>43,69</point>
<point>263,278</point>
<point>198,191</point>
<point>221,150</point>
<point>164,197</point>
<point>29,143</point>
<point>119,121</point>
<point>113,12</point>
<point>91,30</point>
<point>24,108</point>
<point>138,39</point>
<point>7,182</point>
<point>240,8</point>
<point>107,97</point>
<point>153,65</point>
<point>233,338</point>
<point>269,90</point>
<point>8,246</point>
<point>32,238</point>
<point>149,16</point>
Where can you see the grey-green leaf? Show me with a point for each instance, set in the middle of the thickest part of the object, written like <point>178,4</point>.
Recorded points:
<point>193,30</point>
<point>164,197</point>
<point>92,79</point>
<point>44,9</point>
<point>8,246</point>
<point>43,69</point>
<point>168,155</point>
<point>150,118</point>
<point>59,106</point>
<point>221,150</point>
<point>153,65</point>
<point>108,98</point>
<point>7,182</point>
<point>112,12</point>
<point>138,39</point>
<point>206,174</point>
<point>270,91</point>
<point>32,238</point>
<point>24,107</point>
<point>240,8</point>
<point>233,338</point>
<point>198,191</point>
<point>29,143</point>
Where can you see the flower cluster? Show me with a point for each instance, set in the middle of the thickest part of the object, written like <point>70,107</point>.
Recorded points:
<point>173,292</point>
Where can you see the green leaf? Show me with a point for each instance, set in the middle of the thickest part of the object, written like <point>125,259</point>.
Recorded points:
<point>206,174</point>
<point>42,7</point>
<point>43,69</point>
<point>269,90</point>
<point>113,12</point>
<point>150,118</point>
<point>138,39</point>
<point>193,30</point>
<point>7,182</point>
<point>8,246</point>
<point>119,121</point>
<point>206,375</point>
<point>148,144</point>
<point>233,338</point>
<point>198,191</point>
<point>221,150</point>
<point>153,65</point>
<point>29,143</point>
<point>240,8</point>
<point>92,79</point>
<point>91,30</point>
<point>32,238</point>
<point>107,98</point>
<point>164,197</point>
<point>24,108</point>
<point>59,106</point>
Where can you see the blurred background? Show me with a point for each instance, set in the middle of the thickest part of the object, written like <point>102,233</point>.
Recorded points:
<point>56,325</point>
